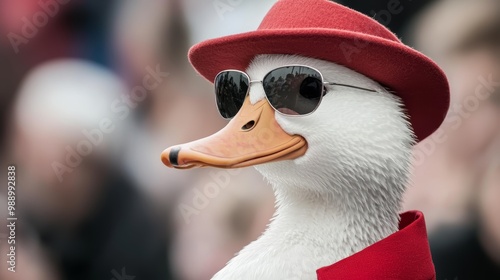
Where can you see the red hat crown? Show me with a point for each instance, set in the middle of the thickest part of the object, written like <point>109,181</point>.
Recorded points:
<point>314,14</point>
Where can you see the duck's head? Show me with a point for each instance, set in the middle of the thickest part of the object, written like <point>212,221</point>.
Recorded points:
<point>354,136</point>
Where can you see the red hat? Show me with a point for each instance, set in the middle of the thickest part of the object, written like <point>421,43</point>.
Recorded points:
<point>325,30</point>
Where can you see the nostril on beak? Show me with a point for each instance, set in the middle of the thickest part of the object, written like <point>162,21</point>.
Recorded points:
<point>248,126</point>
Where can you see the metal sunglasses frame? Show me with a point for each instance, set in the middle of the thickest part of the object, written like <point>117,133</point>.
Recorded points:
<point>323,93</point>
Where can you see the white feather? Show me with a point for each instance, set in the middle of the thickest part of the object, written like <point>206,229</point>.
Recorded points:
<point>344,194</point>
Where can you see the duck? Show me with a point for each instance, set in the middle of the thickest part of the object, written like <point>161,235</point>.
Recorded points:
<point>338,173</point>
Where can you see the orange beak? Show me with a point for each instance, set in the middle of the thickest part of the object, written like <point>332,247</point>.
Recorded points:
<point>252,137</point>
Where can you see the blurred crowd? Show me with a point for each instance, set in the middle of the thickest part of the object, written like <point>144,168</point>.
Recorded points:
<point>93,91</point>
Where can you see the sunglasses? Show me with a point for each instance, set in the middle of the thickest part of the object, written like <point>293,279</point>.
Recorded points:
<point>294,90</point>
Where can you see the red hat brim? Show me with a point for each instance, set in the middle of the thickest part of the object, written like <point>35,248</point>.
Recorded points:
<point>419,82</point>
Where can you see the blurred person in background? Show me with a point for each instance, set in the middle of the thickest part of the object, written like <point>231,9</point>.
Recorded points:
<point>472,251</point>
<point>212,19</point>
<point>32,32</point>
<point>75,201</point>
<point>456,177</point>
<point>181,108</point>
<point>11,75</point>
<point>38,31</point>
<point>154,36</point>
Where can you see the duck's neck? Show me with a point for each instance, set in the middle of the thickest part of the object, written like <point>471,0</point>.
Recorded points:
<point>335,226</point>
<point>312,231</point>
<point>345,224</point>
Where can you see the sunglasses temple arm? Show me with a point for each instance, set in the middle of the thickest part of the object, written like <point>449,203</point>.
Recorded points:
<point>350,86</point>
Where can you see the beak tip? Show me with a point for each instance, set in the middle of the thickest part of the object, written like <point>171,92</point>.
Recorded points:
<point>165,158</point>
<point>170,156</point>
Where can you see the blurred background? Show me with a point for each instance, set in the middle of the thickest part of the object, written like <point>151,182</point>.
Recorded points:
<point>92,91</point>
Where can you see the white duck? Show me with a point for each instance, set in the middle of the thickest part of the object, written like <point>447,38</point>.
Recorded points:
<point>339,173</point>
<point>344,193</point>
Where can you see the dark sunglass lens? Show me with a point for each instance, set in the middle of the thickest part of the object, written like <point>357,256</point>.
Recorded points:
<point>230,91</point>
<point>294,90</point>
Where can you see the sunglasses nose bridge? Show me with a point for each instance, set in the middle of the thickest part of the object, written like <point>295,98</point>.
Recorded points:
<point>257,93</point>
<point>254,82</point>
